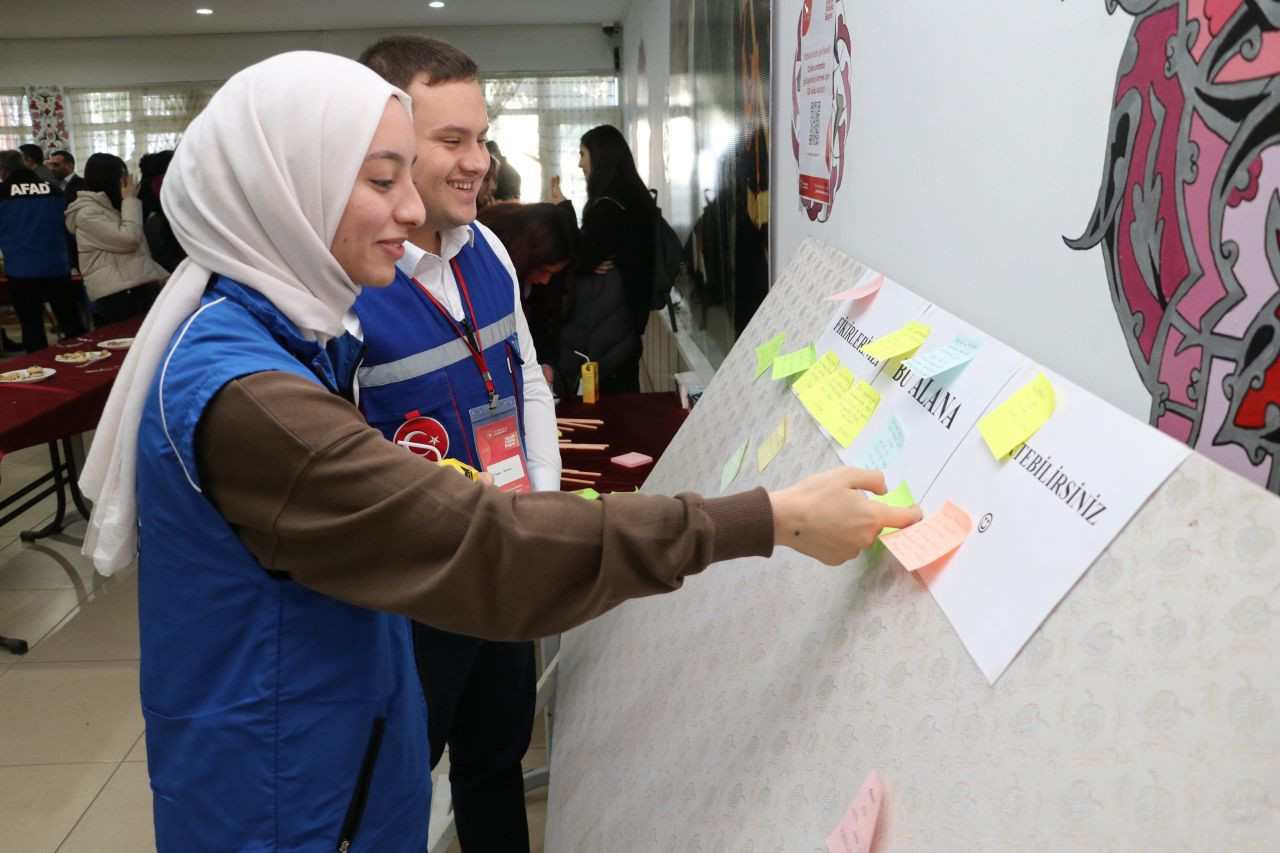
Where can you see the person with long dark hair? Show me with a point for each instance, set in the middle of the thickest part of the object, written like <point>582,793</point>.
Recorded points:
<point>106,218</point>
<point>165,248</point>
<point>540,239</point>
<point>617,234</point>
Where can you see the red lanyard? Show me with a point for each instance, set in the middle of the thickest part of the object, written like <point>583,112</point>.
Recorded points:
<point>467,331</point>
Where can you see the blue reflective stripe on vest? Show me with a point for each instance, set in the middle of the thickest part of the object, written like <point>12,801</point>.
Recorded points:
<point>259,695</point>
<point>436,358</point>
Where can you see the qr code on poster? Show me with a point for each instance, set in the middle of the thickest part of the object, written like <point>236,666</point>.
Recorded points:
<point>815,119</point>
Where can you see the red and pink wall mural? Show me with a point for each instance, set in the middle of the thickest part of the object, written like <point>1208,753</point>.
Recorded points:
<point>1188,219</point>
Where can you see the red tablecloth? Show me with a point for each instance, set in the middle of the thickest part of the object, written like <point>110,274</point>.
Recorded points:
<point>641,422</point>
<point>67,403</point>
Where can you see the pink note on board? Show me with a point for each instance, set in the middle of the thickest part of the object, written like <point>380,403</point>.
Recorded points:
<point>928,541</point>
<point>860,291</point>
<point>632,459</point>
<point>858,825</point>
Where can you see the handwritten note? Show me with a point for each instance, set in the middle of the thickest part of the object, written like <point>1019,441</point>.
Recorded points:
<point>954,355</point>
<point>930,540</point>
<point>824,393</point>
<point>859,291</point>
<point>794,362</point>
<point>1017,419</point>
<point>886,446</point>
<point>772,445</point>
<point>903,342</point>
<point>733,466</point>
<point>822,368</point>
<point>767,352</point>
<point>853,412</point>
<point>857,826</point>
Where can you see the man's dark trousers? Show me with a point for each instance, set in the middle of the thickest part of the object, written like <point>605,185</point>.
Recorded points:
<point>469,685</point>
<point>29,296</point>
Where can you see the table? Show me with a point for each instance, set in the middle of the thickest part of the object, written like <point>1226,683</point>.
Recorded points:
<point>53,412</point>
<point>641,422</point>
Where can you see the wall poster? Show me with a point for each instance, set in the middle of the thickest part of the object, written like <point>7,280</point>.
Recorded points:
<point>820,103</point>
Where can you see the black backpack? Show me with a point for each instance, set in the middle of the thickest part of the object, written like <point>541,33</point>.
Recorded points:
<point>668,258</point>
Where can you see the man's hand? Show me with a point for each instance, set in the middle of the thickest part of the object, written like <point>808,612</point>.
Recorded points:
<point>556,195</point>
<point>826,517</point>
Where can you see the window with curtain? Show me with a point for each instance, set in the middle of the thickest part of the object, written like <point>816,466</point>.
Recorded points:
<point>132,121</point>
<point>15,119</point>
<point>537,122</point>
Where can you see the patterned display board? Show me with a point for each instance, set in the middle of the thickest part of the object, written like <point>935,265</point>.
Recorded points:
<point>744,712</point>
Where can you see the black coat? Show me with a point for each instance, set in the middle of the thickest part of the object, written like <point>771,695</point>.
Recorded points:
<point>623,231</point>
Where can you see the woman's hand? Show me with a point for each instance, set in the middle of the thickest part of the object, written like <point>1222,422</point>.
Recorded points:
<point>826,517</point>
<point>128,185</point>
<point>556,195</point>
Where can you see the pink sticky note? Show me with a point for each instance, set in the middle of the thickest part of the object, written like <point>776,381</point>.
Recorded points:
<point>632,460</point>
<point>858,825</point>
<point>929,540</point>
<point>861,291</point>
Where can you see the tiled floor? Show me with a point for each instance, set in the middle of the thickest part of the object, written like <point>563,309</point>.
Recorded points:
<point>73,773</point>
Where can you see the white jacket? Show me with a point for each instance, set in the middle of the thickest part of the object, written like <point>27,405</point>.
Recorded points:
<point>113,251</point>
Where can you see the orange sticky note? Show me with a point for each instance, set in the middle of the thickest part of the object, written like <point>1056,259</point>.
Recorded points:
<point>858,825</point>
<point>929,540</point>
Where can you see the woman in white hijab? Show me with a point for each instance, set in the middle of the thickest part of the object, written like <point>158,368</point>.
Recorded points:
<point>277,533</point>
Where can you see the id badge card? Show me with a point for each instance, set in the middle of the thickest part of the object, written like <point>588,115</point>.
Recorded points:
<point>497,436</point>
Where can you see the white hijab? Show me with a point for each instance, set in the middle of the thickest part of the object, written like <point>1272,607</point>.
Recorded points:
<point>254,192</point>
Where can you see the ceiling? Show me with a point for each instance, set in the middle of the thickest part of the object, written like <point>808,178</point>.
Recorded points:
<point>109,18</point>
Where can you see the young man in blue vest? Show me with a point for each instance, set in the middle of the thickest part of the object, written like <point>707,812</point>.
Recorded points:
<point>450,372</point>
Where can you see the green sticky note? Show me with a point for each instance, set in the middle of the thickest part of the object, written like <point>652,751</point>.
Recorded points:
<point>588,493</point>
<point>794,362</point>
<point>767,352</point>
<point>733,466</point>
<point>900,496</point>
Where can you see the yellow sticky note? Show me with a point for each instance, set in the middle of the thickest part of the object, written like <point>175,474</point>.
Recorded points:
<point>928,541</point>
<point>794,362</point>
<point>823,396</point>
<point>901,496</point>
<point>1017,419</point>
<point>588,493</point>
<point>856,408</point>
<point>903,342</point>
<point>769,449</point>
<point>767,352</point>
<point>812,377</point>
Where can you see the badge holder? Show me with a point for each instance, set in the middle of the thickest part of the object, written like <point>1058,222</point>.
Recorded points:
<point>496,429</point>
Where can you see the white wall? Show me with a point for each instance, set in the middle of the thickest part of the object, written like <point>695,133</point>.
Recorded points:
<point>116,61</point>
<point>648,21</point>
<point>976,143</point>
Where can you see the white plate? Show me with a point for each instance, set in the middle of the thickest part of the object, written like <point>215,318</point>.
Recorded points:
<point>92,356</point>
<point>117,343</point>
<point>26,377</point>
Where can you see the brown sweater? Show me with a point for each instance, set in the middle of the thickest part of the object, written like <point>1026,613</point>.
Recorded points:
<point>316,493</point>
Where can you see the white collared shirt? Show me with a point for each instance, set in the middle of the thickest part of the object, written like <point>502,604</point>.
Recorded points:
<point>542,445</point>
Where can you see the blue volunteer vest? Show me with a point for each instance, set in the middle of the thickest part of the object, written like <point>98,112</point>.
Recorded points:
<point>416,367</point>
<point>278,719</point>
